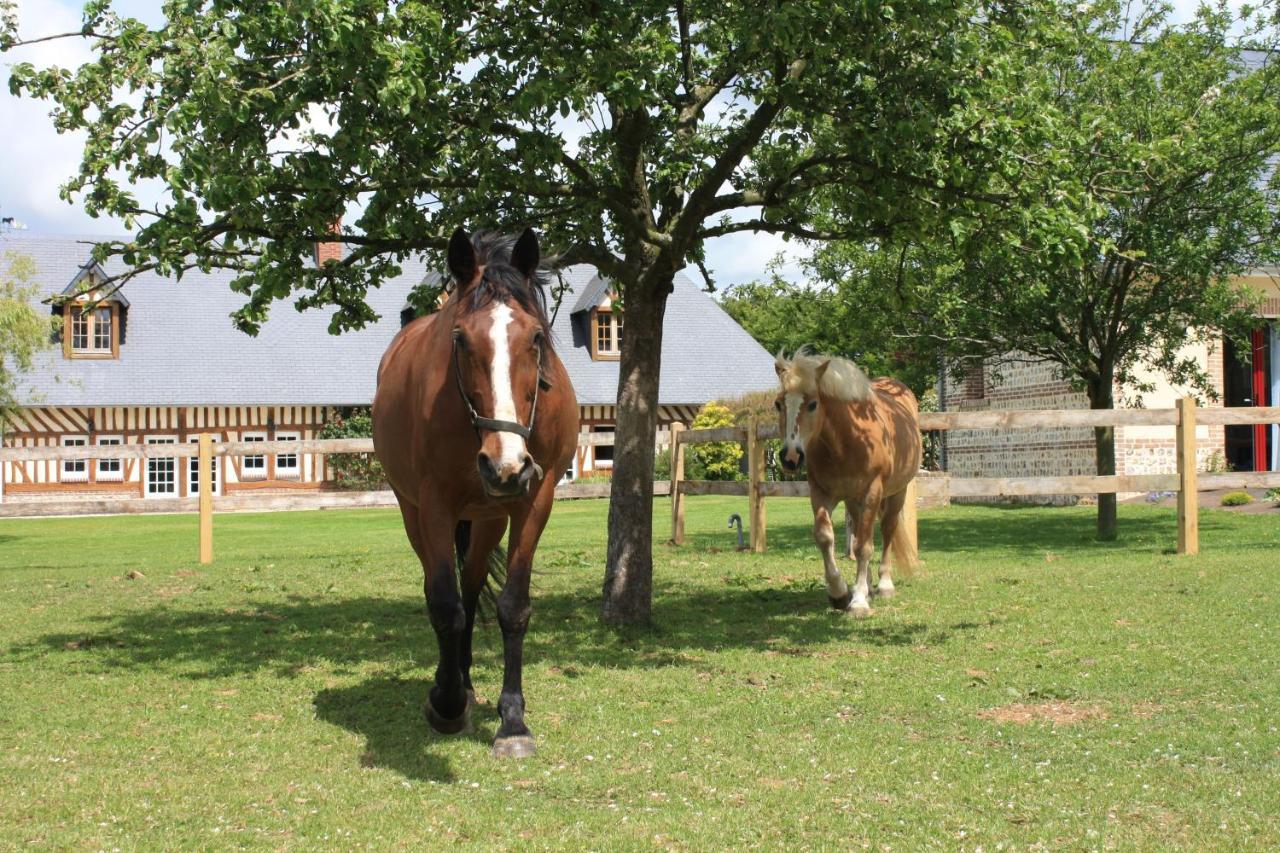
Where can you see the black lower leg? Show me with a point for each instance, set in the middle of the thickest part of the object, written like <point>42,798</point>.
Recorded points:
<point>513,616</point>
<point>448,697</point>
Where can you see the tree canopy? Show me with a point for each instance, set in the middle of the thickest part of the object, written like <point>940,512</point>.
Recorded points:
<point>629,132</point>
<point>24,331</point>
<point>1160,162</point>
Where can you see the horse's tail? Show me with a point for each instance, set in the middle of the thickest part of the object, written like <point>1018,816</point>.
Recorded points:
<point>497,569</point>
<point>902,550</point>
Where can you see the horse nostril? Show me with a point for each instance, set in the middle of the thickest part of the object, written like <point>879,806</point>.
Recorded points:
<point>487,469</point>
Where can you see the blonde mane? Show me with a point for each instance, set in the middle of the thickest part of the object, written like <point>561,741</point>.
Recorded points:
<point>843,380</point>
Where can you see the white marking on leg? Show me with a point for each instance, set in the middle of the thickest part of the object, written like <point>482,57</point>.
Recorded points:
<point>512,446</point>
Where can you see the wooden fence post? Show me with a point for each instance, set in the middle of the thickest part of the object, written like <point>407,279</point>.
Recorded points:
<point>204,476</point>
<point>677,474</point>
<point>755,487</point>
<point>910,518</point>
<point>1188,497</point>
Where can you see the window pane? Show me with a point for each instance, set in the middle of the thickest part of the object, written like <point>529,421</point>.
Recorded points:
<point>79,329</point>
<point>102,329</point>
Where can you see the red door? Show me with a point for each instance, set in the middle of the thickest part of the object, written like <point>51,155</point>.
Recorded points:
<point>1259,370</point>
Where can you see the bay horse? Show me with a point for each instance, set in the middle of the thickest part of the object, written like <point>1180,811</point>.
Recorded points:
<point>474,421</point>
<point>860,441</point>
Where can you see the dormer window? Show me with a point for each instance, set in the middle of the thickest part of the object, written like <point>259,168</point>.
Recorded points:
<point>607,334</point>
<point>92,319</point>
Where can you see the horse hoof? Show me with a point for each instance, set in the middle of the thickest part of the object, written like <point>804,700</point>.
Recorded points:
<point>860,611</point>
<point>516,746</point>
<point>886,591</point>
<point>841,603</point>
<point>445,726</point>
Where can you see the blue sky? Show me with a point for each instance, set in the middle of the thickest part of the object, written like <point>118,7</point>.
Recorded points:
<point>36,160</point>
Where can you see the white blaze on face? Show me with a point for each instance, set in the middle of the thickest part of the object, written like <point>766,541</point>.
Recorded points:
<point>791,405</point>
<point>504,404</point>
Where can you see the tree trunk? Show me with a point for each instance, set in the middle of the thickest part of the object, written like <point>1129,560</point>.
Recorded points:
<point>1102,396</point>
<point>628,579</point>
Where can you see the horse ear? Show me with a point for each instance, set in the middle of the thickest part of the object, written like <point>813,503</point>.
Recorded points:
<point>462,258</point>
<point>780,363</point>
<point>820,372</point>
<point>525,254</point>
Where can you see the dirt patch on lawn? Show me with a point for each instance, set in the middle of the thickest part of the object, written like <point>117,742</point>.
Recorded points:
<point>1058,713</point>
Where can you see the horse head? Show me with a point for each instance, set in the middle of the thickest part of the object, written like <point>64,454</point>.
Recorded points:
<point>808,382</point>
<point>500,336</point>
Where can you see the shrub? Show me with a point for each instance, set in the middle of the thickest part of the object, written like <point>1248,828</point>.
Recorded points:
<point>718,460</point>
<point>1273,495</point>
<point>1215,463</point>
<point>1237,499</point>
<point>357,472</point>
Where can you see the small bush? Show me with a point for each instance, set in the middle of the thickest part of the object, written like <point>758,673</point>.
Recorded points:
<point>1215,463</point>
<point>1273,495</point>
<point>356,472</point>
<point>718,460</point>
<point>1237,499</point>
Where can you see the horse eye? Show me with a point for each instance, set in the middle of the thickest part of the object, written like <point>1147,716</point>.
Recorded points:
<point>777,404</point>
<point>813,406</point>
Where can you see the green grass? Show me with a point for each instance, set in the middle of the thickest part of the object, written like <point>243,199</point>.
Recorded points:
<point>273,699</point>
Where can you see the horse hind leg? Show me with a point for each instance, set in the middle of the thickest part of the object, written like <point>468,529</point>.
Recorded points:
<point>890,527</point>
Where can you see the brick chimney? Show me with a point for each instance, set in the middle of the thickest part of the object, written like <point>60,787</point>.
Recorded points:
<point>330,250</point>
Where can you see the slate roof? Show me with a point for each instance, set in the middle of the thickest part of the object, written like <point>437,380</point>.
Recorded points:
<point>180,347</point>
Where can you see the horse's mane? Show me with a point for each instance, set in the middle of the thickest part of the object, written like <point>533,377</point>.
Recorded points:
<point>843,380</point>
<point>501,281</point>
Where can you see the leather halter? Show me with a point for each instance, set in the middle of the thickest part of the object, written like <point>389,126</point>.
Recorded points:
<point>493,424</point>
<point>479,422</point>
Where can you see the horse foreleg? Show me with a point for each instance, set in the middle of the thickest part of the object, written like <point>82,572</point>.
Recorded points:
<point>484,536</point>
<point>891,516</point>
<point>448,707</point>
<point>513,738</point>
<point>824,537</point>
<point>864,527</point>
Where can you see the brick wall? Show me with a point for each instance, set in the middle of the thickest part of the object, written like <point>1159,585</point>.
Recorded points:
<point>1065,451</point>
<point>1059,451</point>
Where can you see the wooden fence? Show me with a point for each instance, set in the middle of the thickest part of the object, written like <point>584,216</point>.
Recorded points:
<point>1185,481</point>
<point>757,488</point>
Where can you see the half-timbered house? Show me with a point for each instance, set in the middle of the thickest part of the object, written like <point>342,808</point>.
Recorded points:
<point>160,362</point>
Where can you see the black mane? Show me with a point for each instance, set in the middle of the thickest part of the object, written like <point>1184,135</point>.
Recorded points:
<point>501,282</point>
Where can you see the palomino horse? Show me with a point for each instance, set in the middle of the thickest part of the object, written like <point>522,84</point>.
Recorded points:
<point>474,421</point>
<point>861,441</point>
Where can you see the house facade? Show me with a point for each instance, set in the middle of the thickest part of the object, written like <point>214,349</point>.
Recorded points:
<point>160,362</point>
<point>1239,379</point>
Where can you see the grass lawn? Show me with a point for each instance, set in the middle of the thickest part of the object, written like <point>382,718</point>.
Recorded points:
<point>1029,687</point>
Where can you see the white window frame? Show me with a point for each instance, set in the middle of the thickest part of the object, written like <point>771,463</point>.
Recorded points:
<point>253,468</point>
<point>193,472</point>
<point>293,470</point>
<point>106,474</point>
<point>74,470</point>
<point>155,460</point>
<point>598,464</point>
<point>613,322</point>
